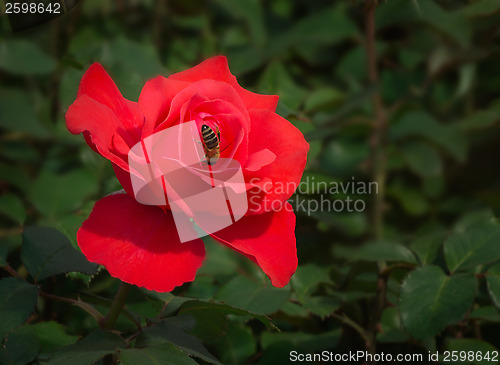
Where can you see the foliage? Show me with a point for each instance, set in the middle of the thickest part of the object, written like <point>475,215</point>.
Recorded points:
<point>416,270</point>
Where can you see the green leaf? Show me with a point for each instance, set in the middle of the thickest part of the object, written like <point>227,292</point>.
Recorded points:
<point>247,294</point>
<point>305,281</point>
<point>172,331</point>
<point>18,115</point>
<point>307,129</point>
<point>406,10</point>
<point>430,300</point>
<point>487,313</point>
<point>19,151</point>
<point>236,345</point>
<point>15,175</point>
<point>171,303</point>
<point>493,280</point>
<point>131,64</point>
<point>422,158</point>
<point>329,26</point>
<point>468,75</point>
<point>67,93</point>
<point>424,125</point>
<point>479,120</point>
<point>20,347</point>
<point>137,57</point>
<point>323,98</point>
<point>427,247</point>
<point>294,310</point>
<point>392,329</point>
<point>52,336</point>
<point>481,8</point>
<point>452,23</point>
<point>250,11</point>
<point>53,195</point>
<point>209,313</point>
<point>17,301</point>
<point>463,346</point>
<point>203,287</point>
<point>307,278</point>
<point>209,322</point>
<point>410,58</point>
<point>344,157</point>
<point>24,58</point>
<point>476,246</point>
<point>47,252</point>
<point>321,305</point>
<point>354,102</point>
<point>164,354</point>
<point>473,218</point>
<point>274,353</point>
<point>88,350</point>
<point>376,251</point>
<point>10,243</point>
<point>433,187</point>
<point>277,80</point>
<point>12,206</point>
<point>352,224</point>
<point>412,200</point>
<point>311,342</point>
<point>219,260</point>
<point>351,67</point>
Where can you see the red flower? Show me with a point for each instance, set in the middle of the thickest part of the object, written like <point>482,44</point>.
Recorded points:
<point>138,243</point>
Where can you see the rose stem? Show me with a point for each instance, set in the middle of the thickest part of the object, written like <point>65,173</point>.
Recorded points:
<point>379,172</point>
<point>116,307</point>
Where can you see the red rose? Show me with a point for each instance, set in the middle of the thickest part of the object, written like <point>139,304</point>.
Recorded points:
<point>138,243</point>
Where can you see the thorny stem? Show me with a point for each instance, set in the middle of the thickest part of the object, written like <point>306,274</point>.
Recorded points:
<point>85,306</point>
<point>379,172</point>
<point>11,271</point>
<point>116,307</point>
<point>379,122</point>
<point>108,323</point>
<point>348,321</point>
<point>57,298</point>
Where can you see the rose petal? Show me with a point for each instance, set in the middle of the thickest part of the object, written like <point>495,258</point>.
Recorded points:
<point>98,85</point>
<point>287,143</point>
<point>99,125</point>
<point>123,177</point>
<point>203,90</point>
<point>139,244</point>
<point>216,68</point>
<point>268,239</point>
<point>155,99</point>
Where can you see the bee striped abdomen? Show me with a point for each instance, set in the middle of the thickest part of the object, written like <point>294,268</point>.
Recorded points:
<point>210,139</point>
<point>211,142</point>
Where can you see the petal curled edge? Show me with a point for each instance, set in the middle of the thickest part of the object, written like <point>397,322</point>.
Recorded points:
<point>99,125</point>
<point>268,239</point>
<point>139,244</point>
<point>155,101</point>
<point>283,174</point>
<point>217,68</point>
<point>117,130</point>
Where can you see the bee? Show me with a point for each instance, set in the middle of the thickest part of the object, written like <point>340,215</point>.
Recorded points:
<point>211,143</point>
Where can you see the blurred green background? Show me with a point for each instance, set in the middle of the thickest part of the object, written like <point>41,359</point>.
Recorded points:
<point>416,271</point>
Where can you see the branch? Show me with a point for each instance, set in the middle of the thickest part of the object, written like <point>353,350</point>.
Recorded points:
<point>379,128</point>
